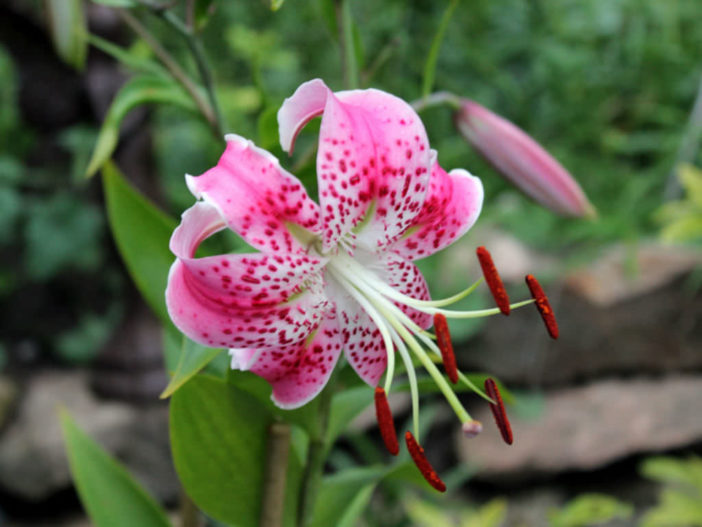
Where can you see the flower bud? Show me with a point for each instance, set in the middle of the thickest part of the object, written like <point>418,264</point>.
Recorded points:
<point>522,160</point>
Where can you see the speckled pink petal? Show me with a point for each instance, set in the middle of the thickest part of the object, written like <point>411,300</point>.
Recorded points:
<point>373,156</point>
<point>257,197</point>
<point>238,300</point>
<point>362,342</point>
<point>297,372</point>
<point>236,316</point>
<point>300,108</point>
<point>406,278</point>
<point>453,203</point>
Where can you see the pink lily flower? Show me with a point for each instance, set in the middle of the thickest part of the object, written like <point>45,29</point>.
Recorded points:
<point>522,160</point>
<point>334,275</point>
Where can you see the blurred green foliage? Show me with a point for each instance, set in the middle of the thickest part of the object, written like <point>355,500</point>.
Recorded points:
<point>682,219</point>
<point>680,502</point>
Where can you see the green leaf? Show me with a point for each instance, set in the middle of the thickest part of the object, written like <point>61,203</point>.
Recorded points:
<point>589,509</point>
<point>492,514</point>
<point>141,232</point>
<point>346,405</point>
<point>68,30</point>
<point>676,471</point>
<point>676,509</point>
<point>193,358</point>
<point>276,4</point>
<point>343,496</point>
<point>218,439</point>
<point>138,90</point>
<point>111,497</point>
<point>126,56</point>
<point>304,417</point>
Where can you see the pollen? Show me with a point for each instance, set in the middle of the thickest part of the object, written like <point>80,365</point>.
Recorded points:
<point>543,305</point>
<point>385,422</point>
<point>494,282</point>
<point>498,411</point>
<point>443,340</point>
<point>417,454</point>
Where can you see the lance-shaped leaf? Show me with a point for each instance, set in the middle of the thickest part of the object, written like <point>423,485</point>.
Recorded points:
<point>111,497</point>
<point>522,160</point>
<point>141,232</point>
<point>139,90</point>
<point>218,438</point>
<point>68,30</point>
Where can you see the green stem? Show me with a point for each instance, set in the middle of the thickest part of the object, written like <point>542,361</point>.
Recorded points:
<point>276,473</point>
<point>437,99</point>
<point>195,45</point>
<point>348,52</point>
<point>316,451</point>
<point>430,66</point>
<point>171,65</point>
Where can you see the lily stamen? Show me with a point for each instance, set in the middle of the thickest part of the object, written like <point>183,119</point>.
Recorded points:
<point>385,421</point>
<point>498,411</point>
<point>420,459</point>
<point>443,339</point>
<point>543,305</point>
<point>494,282</point>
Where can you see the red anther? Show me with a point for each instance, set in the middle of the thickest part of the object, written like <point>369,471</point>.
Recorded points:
<point>542,304</point>
<point>443,339</point>
<point>494,282</point>
<point>498,411</point>
<point>417,453</point>
<point>385,422</point>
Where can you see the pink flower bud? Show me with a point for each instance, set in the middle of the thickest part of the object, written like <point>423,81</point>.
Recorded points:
<point>522,160</point>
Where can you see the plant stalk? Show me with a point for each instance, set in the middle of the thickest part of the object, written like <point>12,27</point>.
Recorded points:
<point>171,65</point>
<point>275,476</point>
<point>316,451</point>
<point>348,52</point>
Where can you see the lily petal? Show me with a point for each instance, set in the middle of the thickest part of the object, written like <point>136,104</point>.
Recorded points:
<point>257,197</point>
<point>240,300</point>
<point>363,344</point>
<point>406,278</point>
<point>453,203</point>
<point>297,372</point>
<point>373,159</point>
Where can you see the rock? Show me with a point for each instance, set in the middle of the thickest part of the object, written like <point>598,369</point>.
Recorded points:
<point>32,459</point>
<point>609,324</point>
<point>589,427</point>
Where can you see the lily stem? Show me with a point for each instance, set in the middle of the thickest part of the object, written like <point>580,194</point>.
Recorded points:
<point>171,65</point>
<point>346,41</point>
<point>316,451</point>
<point>195,45</point>
<point>437,99</point>
<point>276,473</point>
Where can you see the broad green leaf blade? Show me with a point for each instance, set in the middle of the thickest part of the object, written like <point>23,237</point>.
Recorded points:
<point>141,232</point>
<point>126,57</point>
<point>111,497</point>
<point>68,30</point>
<point>193,358</point>
<point>339,495</point>
<point>218,438</point>
<point>346,405</point>
<point>139,90</point>
<point>304,417</point>
<point>590,509</point>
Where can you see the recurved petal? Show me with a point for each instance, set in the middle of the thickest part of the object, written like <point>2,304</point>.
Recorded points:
<point>297,372</point>
<point>237,301</point>
<point>257,198</point>
<point>372,164</point>
<point>452,205</point>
